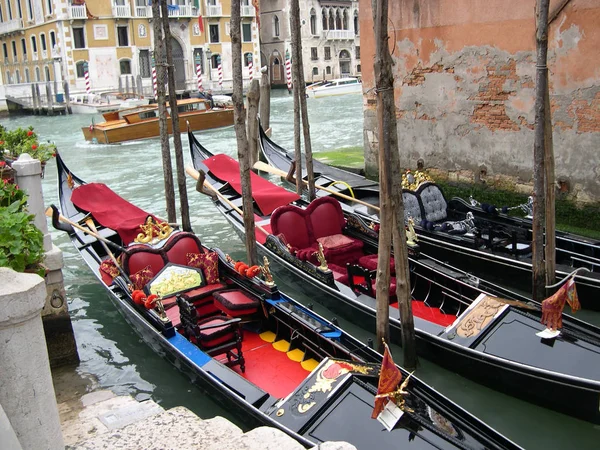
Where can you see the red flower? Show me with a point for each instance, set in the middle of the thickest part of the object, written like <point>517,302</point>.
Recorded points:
<point>33,147</point>
<point>54,155</point>
<point>2,163</point>
<point>29,133</point>
<point>1,142</point>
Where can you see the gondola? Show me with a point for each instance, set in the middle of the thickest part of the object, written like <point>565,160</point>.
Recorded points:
<point>271,360</point>
<point>473,327</point>
<point>473,237</point>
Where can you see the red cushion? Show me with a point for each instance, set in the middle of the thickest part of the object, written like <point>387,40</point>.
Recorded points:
<point>335,241</point>
<point>141,278</point>
<point>140,257</point>
<point>326,217</point>
<point>198,295</point>
<point>208,262</point>
<point>236,303</point>
<point>215,336</point>
<point>290,221</point>
<point>185,244</point>
<point>370,262</point>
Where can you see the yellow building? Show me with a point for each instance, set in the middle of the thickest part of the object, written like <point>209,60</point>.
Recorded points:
<point>54,40</point>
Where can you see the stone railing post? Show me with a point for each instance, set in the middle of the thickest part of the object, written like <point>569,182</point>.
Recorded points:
<point>57,322</point>
<point>26,390</point>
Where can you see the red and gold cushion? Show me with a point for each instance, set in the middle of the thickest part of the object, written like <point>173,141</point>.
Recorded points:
<point>109,267</point>
<point>335,241</point>
<point>141,277</point>
<point>208,262</point>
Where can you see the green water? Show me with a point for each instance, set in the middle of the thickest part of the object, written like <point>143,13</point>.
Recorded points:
<point>113,353</point>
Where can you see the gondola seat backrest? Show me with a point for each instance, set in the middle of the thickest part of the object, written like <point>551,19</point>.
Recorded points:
<point>412,206</point>
<point>290,221</point>
<point>175,251</point>
<point>433,203</point>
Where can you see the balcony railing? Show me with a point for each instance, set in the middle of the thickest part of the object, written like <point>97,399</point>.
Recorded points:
<point>247,10</point>
<point>123,11</point>
<point>77,12</point>
<point>143,11</point>
<point>11,25</point>
<point>182,11</point>
<point>214,10</point>
<point>338,34</point>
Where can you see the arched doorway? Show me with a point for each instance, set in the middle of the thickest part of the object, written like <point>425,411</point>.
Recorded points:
<point>178,64</point>
<point>345,60</point>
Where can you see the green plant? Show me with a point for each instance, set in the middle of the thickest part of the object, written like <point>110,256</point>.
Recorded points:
<point>16,142</point>
<point>21,242</point>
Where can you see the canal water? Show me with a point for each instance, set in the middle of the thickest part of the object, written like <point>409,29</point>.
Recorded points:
<point>115,355</point>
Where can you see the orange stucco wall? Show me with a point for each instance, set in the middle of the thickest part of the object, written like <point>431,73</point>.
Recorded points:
<point>465,86</point>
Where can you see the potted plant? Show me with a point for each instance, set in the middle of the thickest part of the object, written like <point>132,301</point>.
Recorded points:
<point>13,143</point>
<point>21,242</point>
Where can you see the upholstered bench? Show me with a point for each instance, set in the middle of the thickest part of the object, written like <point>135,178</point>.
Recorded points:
<point>236,303</point>
<point>370,262</point>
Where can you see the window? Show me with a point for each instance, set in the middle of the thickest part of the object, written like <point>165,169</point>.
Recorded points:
<point>313,22</point>
<point>327,53</point>
<point>145,68</point>
<point>5,48</point>
<point>79,37</point>
<point>345,20</point>
<point>276,71</point>
<point>10,13</point>
<point>338,21</point>
<point>313,53</point>
<point>356,23</point>
<point>14,49</point>
<point>48,7</point>
<point>215,60</point>
<point>247,59</point>
<point>276,26</point>
<point>19,9</point>
<point>33,44</point>
<point>52,39</point>
<point>122,37</point>
<point>47,73</point>
<point>38,76</point>
<point>29,10</point>
<point>80,69</point>
<point>328,70</point>
<point>18,76</point>
<point>315,71</point>
<point>27,77</point>
<point>324,17</point>
<point>199,58</point>
<point>246,32</point>
<point>1,14</point>
<point>331,22</point>
<point>213,31</point>
<point>24,46</point>
<point>8,80</point>
<point>125,66</point>
<point>358,68</point>
<point>43,42</point>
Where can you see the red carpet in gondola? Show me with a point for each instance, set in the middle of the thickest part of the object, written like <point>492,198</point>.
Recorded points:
<point>269,368</point>
<point>267,195</point>
<point>433,315</point>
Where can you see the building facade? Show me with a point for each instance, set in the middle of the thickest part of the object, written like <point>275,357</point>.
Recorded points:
<point>330,35</point>
<point>465,90</point>
<point>55,40</point>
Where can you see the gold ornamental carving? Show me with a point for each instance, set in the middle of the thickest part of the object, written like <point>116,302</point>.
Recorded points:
<point>481,315</point>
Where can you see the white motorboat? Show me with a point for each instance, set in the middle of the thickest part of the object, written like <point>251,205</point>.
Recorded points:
<point>338,86</point>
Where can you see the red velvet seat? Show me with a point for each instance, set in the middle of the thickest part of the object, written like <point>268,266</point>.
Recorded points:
<point>370,262</point>
<point>323,220</point>
<point>236,303</point>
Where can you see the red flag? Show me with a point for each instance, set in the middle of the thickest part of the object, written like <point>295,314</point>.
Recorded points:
<point>389,378</point>
<point>201,23</point>
<point>553,306</point>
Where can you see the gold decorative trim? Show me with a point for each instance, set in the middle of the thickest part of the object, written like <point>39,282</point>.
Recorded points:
<point>153,232</point>
<point>321,257</point>
<point>412,180</point>
<point>482,314</point>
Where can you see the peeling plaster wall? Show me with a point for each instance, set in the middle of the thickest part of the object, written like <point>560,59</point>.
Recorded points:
<point>465,89</point>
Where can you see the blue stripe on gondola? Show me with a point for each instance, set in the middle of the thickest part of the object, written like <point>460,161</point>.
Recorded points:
<point>189,350</point>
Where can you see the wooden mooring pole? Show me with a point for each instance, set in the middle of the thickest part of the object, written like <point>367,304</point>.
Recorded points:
<point>392,208</point>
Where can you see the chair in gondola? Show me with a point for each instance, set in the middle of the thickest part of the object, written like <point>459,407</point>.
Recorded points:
<point>215,335</point>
